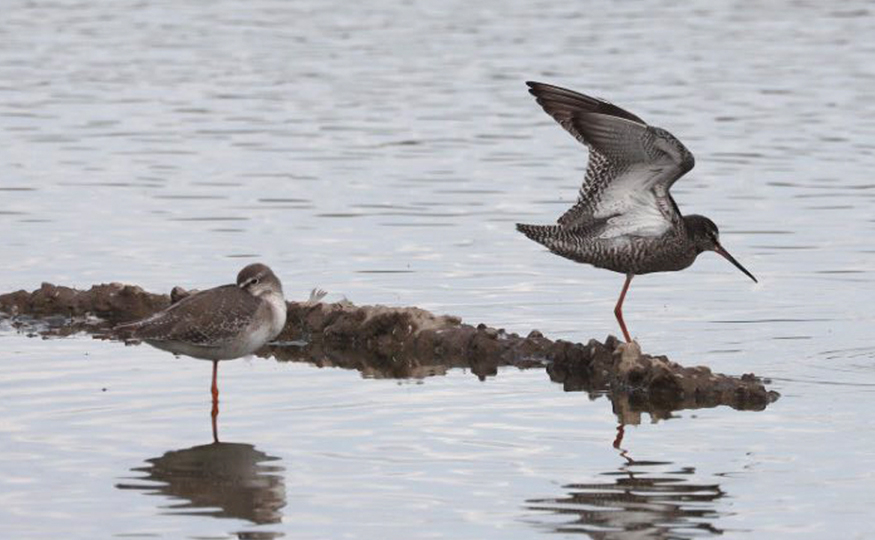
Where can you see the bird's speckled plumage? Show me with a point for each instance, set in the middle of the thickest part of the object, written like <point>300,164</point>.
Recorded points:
<point>221,323</point>
<point>625,219</point>
<point>635,255</point>
<point>625,193</point>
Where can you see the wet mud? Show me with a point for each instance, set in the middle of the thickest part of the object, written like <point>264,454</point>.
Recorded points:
<point>392,342</point>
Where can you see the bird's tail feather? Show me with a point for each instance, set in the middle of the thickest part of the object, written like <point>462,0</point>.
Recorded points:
<point>539,233</point>
<point>554,238</point>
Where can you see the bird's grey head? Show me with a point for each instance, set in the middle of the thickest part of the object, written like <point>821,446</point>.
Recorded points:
<point>703,232</point>
<point>706,237</point>
<point>258,279</point>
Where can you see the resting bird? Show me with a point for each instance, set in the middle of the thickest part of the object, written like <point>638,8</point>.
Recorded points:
<point>625,219</point>
<point>218,324</point>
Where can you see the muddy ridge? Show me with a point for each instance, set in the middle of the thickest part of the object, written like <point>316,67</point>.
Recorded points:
<point>381,341</point>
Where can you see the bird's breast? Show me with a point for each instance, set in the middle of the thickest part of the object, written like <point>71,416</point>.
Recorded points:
<point>665,254</point>
<point>276,305</point>
<point>641,255</point>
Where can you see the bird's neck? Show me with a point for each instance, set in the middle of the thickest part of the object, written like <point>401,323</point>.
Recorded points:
<point>275,300</point>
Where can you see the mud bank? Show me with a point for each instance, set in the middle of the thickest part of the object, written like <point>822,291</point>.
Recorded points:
<point>382,341</point>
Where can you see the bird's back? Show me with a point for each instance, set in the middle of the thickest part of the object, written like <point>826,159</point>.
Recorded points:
<point>214,318</point>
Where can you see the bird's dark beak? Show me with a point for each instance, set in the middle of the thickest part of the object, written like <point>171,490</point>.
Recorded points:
<point>719,249</point>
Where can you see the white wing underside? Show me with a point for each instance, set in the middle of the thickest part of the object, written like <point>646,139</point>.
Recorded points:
<point>631,168</point>
<point>632,204</point>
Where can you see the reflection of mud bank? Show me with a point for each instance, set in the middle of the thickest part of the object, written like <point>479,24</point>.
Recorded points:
<point>383,341</point>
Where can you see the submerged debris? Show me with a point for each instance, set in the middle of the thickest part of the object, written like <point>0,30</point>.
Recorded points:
<point>381,341</point>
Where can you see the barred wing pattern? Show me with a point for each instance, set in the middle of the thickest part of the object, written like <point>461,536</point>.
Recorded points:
<point>631,166</point>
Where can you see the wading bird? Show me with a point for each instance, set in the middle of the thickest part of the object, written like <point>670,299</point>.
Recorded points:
<point>625,219</point>
<point>222,323</point>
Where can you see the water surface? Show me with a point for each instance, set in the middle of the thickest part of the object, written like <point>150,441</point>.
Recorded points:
<point>384,153</point>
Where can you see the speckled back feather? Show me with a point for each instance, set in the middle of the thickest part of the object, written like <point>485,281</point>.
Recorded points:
<point>209,318</point>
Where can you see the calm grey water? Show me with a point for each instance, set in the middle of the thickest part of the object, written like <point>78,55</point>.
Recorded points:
<point>384,152</point>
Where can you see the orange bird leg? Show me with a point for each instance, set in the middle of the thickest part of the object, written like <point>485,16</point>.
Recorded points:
<point>215,391</point>
<point>215,387</point>
<point>618,309</point>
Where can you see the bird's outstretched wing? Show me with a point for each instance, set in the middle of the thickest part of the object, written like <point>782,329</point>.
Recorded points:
<point>208,318</point>
<point>631,165</point>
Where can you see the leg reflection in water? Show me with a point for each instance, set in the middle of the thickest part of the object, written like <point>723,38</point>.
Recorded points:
<point>644,499</point>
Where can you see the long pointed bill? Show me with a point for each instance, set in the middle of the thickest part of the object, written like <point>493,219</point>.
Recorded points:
<point>719,249</point>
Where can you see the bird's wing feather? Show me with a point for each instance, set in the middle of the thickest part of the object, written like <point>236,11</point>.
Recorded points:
<point>627,212</point>
<point>629,178</point>
<point>631,165</point>
<point>229,309</point>
<point>562,104</point>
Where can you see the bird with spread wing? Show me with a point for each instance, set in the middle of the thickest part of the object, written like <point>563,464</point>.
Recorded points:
<point>625,219</point>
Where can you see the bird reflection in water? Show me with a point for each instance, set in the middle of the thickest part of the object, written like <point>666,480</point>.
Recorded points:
<point>641,499</point>
<point>231,480</point>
